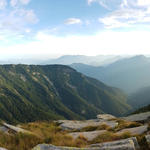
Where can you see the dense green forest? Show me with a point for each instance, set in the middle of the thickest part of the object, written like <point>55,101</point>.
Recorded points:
<point>30,93</point>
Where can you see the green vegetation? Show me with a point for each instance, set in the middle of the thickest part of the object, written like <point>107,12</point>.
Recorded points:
<point>143,109</point>
<point>32,93</point>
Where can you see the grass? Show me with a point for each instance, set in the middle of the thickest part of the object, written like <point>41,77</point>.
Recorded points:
<point>110,136</point>
<point>94,128</point>
<point>51,133</point>
<point>18,141</point>
<point>122,124</point>
<point>142,142</point>
<point>42,132</point>
<point>148,126</point>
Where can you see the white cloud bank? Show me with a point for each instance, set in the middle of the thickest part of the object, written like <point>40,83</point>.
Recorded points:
<point>102,43</point>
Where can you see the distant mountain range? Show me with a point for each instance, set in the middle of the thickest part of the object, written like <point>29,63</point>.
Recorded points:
<point>66,60</point>
<point>128,74</point>
<point>31,93</point>
<point>89,60</point>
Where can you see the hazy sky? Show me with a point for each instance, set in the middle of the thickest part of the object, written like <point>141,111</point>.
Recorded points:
<point>90,27</point>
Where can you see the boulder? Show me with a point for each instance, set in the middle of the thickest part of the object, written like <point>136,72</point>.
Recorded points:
<point>78,125</point>
<point>126,144</point>
<point>142,117</point>
<point>105,117</point>
<point>4,129</point>
<point>14,128</point>
<point>135,131</point>
<point>147,137</point>
<point>88,135</point>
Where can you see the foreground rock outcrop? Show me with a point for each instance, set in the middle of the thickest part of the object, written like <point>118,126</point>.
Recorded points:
<point>5,128</point>
<point>78,125</point>
<point>90,135</point>
<point>147,137</point>
<point>127,144</point>
<point>135,130</point>
<point>141,117</point>
<point>104,133</point>
<point>106,117</point>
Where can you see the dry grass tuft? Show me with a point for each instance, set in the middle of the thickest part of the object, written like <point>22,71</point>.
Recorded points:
<point>94,128</point>
<point>110,136</point>
<point>122,124</point>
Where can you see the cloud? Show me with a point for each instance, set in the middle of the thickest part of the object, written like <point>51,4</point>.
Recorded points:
<point>15,3</point>
<point>130,13</point>
<point>106,43</point>
<point>3,4</point>
<point>30,16</point>
<point>101,2</point>
<point>72,21</point>
<point>15,18</point>
<point>25,2</point>
<point>107,4</point>
<point>143,2</point>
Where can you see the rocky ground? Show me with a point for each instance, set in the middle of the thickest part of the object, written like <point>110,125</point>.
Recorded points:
<point>104,133</point>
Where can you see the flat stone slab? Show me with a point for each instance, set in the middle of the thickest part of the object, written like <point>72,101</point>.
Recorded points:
<point>119,144</point>
<point>127,144</point>
<point>135,131</point>
<point>88,135</point>
<point>147,137</point>
<point>2,148</point>
<point>105,117</point>
<point>78,125</point>
<point>138,117</point>
<point>14,128</point>
<point>4,129</point>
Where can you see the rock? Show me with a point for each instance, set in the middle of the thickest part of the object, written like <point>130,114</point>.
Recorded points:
<point>135,131</point>
<point>2,148</point>
<point>105,117</point>
<point>4,129</point>
<point>78,125</point>
<point>88,135</point>
<point>14,128</point>
<point>51,147</point>
<point>147,137</point>
<point>125,144</point>
<point>142,117</point>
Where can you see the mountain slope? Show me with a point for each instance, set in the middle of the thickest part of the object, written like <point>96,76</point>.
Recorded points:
<point>129,74</point>
<point>141,98</point>
<point>29,93</point>
<point>142,110</point>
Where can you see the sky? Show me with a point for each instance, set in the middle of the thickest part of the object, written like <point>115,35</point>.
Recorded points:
<point>50,28</point>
